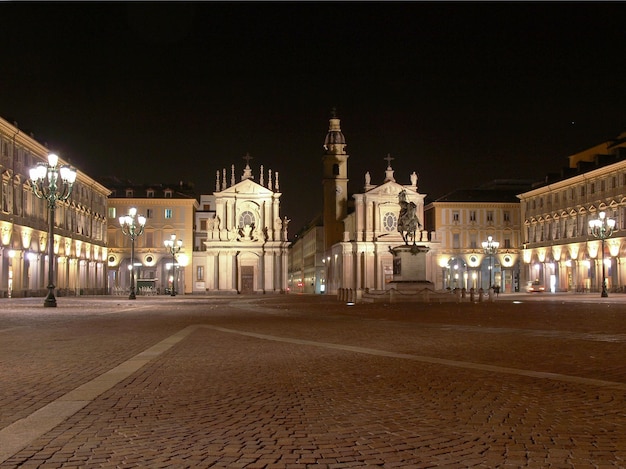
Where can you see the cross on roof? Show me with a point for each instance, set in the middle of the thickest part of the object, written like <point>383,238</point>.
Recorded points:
<point>248,158</point>
<point>388,158</point>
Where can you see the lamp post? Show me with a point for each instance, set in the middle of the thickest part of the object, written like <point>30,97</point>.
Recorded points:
<point>132,226</point>
<point>490,247</point>
<point>53,183</point>
<point>173,245</point>
<point>602,228</point>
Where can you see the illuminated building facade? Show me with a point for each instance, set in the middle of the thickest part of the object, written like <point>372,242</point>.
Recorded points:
<point>464,220</point>
<point>80,226</point>
<point>245,243</point>
<point>360,230</point>
<point>307,263</point>
<point>169,209</point>
<point>560,250</point>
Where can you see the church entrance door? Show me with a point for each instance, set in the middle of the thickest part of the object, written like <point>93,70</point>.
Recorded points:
<point>247,279</point>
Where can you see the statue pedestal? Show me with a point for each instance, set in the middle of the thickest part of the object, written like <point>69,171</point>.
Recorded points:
<point>409,282</point>
<point>409,268</point>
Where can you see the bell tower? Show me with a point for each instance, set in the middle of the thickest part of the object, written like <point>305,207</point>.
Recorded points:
<point>335,182</point>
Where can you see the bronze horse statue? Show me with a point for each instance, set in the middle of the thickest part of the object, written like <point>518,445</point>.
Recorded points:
<point>408,222</point>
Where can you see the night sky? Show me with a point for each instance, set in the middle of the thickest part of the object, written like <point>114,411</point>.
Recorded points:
<point>460,93</point>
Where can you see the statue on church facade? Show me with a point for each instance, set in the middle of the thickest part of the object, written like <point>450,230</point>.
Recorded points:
<point>408,222</point>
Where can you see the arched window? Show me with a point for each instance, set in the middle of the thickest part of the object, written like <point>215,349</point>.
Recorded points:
<point>246,218</point>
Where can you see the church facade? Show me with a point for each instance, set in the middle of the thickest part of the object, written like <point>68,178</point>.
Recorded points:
<point>245,246</point>
<point>361,231</point>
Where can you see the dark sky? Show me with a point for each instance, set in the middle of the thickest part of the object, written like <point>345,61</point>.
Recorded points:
<point>460,93</point>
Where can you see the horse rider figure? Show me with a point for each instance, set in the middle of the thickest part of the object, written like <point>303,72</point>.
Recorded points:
<point>408,222</point>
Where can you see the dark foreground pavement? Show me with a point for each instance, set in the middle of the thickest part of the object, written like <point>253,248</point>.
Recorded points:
<point>302,381</point>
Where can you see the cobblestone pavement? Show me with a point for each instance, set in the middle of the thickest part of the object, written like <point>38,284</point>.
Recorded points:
<point>301,381</point>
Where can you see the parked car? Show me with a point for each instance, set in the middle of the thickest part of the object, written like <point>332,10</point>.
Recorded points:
<point>535,286</point>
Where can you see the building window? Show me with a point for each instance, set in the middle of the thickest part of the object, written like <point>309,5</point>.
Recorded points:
<point>149,213</point>
<point>490,216</point>
<point>150,193</point>
<point>455,216</point>
<point>7,198</point>
<point>473,242</point>
<point>246,218</point>
<point>168,193</point>
<point>456,241</point>
<point>582,191</point>
<point>506,215</point>
<point>202,225</point>
<point>168,213</point>
<point>592,188</point>
<point>129,192</point>
<point>200,273</point>
<point>472,215</point>
<point>149,240</point>
<point>112,212</point>
<point>390,222</point>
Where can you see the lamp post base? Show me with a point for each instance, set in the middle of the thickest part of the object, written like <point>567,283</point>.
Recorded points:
<point>50,301</point>
<point>605,292</point>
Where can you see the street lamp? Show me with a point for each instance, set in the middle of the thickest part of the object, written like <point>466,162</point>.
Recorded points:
<point>52,183</point>
<point>602,228</point>
<point>173,245</point>
<point>490,247</point>
<point>132,226</point>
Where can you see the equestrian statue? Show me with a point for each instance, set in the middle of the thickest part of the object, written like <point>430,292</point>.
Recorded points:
<point>408,222</point>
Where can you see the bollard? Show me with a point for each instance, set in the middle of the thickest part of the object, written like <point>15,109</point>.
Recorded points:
<point>463,292</point>
<point>491,294</point>
<point>457,292</point>
<point>472,294</point>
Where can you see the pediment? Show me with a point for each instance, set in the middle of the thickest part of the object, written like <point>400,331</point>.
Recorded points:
<point>389,188</point>
<point>247,187</point>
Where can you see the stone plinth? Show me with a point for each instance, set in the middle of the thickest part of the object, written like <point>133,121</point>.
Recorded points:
<point>409,264</point>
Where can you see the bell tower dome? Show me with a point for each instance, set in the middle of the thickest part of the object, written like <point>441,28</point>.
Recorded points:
<point>335,182</point>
